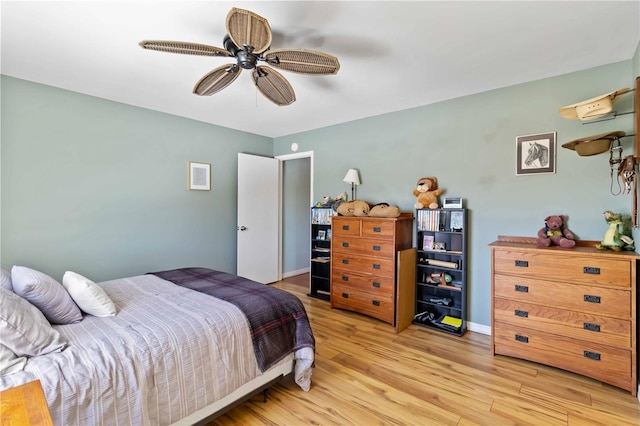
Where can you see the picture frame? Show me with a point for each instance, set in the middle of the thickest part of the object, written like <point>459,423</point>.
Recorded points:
<point>439,246</point>
<point>427,242</point>
<point>457,221</point>
<point>536,154</point>
<point>321,234</point>
<point>199,176</point>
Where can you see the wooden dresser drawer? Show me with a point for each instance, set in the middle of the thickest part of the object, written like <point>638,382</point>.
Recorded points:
<point>346,226</point>
<point>376,305</point>
<point>381,266</point>
<point>605,363</point>
<point>366,246</point>
<point>578,325</point>
<point>378,229</point>
<point>564,266</point>
<point>383,286</point>
<point>597,300</point>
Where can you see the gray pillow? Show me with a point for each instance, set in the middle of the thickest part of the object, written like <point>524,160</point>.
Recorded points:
<point>46,294</point>
<point>5,280</point>
<point>23,328</point>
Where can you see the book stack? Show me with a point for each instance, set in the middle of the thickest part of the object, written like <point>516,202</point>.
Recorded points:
<point>429,220</point>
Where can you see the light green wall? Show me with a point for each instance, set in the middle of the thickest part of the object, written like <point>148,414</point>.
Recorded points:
<point>469,145</point>
<point>296,229</point>
<point>636,63</point>
<point>100,187</point>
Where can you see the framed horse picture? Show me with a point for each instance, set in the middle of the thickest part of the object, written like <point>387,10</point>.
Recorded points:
<point>536,154</point>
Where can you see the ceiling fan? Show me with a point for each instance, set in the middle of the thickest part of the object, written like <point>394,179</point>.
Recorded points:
<point>248,40</point>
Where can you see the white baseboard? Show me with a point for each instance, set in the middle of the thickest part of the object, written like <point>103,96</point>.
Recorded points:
<point>294,273</point>
<point>479,328</point>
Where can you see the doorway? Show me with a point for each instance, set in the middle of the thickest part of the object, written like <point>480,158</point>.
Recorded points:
<point>297,199</point>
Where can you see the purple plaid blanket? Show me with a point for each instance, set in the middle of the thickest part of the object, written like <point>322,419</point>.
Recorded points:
<point>278,320</point>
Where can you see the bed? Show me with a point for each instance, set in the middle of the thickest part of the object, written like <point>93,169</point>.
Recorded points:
<point>171,354</point>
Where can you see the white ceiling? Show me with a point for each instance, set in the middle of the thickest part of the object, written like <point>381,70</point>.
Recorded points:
<point>393,55</point>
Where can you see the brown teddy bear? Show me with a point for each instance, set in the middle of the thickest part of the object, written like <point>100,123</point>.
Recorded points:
<point>427,193</point>
<point>555,233</point>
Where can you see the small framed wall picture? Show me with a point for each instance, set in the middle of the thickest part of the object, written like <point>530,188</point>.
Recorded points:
<point>199,176</point>
<point>536,154</point>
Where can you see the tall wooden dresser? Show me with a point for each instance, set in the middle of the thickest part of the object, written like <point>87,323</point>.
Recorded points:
<point>573,309</point>
<point>371,267</point>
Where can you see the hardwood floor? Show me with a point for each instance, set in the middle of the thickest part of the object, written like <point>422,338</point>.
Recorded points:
<point>365,374</point>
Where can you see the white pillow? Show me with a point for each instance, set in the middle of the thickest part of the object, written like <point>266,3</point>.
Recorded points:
<point>89,296</point>
<point>9,362</point>
<point>5,280</point>
<point>46,294</point>
<point>23,328</point>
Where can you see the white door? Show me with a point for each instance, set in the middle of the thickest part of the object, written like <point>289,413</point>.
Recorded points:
<point>258,218</point>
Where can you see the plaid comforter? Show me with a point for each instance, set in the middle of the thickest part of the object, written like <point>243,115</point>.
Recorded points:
<point>277,319</point>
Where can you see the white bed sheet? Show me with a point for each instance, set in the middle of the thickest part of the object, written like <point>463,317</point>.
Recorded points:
<point>168,352</point>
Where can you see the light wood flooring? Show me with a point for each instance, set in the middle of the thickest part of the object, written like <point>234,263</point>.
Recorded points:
<point>365,374</point>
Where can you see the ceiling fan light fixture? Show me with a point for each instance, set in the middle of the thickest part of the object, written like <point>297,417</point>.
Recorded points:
<point>253,33</point>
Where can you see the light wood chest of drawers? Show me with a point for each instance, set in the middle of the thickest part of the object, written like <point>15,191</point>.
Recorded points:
<point>573,309</point>
<point>367,273</point>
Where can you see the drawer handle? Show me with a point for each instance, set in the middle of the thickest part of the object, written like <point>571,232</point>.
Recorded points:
<point>591,270</point>
<point>376,248</point>
<point>522,314</point>
<point>345,227</point>
<point>345,244</point>
<point>591,327</point>
<point>376,266</point>
<point>345,278</point>
<point>375,284</point>
<point>523,339</point>
<point>522,263</point>
<point>522,288</point>
<point>377,229</point>
<point>591,299</point>
<point>345,295</point>
<point>592,355</point>
<point>375,302</point>
<point>345,261</point>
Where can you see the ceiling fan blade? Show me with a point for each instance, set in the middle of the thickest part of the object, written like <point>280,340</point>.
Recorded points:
<point>217,80</point>
<point>303,61</point>
<point>245,27</point>
<point>273,86</point>
<point>183,47</point>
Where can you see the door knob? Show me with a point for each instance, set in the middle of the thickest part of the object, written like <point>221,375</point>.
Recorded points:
<point>242,228</point>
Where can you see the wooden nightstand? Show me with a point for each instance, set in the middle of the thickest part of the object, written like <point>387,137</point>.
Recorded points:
<point>24,405</point>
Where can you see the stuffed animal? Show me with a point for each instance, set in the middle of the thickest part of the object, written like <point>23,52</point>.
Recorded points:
<point>333,203</point>
<point>384,210</point>
<point>618,236</point>
<point>555,233</point>
<point>354,208</point>
<point>427,193</point>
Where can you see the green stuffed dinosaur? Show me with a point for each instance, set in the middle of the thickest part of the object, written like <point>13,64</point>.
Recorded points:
<point>618,236</point>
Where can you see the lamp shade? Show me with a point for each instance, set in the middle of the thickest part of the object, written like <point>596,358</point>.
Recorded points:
<point>352,177</point>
